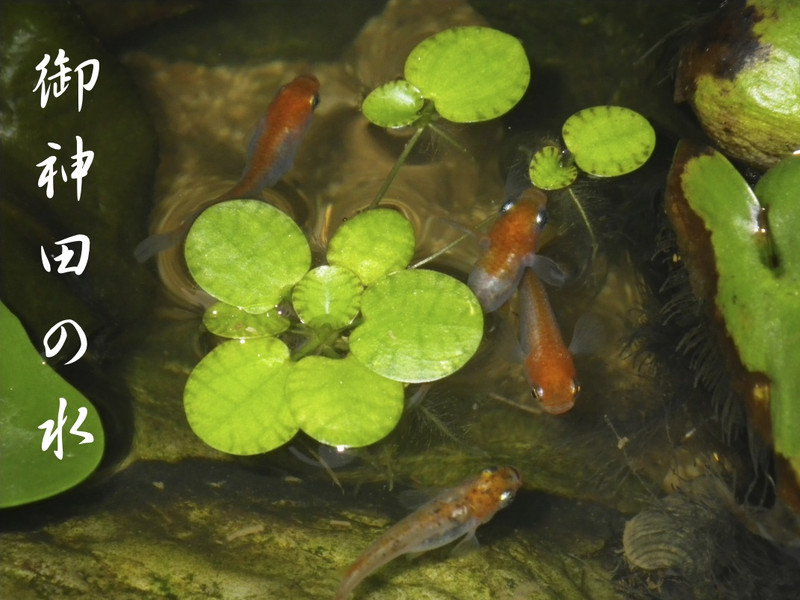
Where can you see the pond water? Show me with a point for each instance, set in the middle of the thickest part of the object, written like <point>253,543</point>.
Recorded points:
<point>167,516</point>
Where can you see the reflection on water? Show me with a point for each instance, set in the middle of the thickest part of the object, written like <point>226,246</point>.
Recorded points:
<point>639,431</point>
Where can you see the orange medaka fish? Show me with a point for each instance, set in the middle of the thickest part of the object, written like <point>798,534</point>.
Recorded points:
<point>270,155</point>
<point>454,513</point>
<point>549,367</point>
<point>510,247</point>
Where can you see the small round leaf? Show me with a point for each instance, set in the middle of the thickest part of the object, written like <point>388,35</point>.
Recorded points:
<point>471,73</point>
<point>234,398</point>
<point>246,253</point>
<point>373,243</point>
<point>341,403</point>
<point>394,104</point>
<point>418,326</point>
<point>547,171</point>
<point>229,321</point>
<point>607,141</point>
<point>327,295</point>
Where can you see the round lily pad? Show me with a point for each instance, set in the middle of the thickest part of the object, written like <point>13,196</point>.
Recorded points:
<point>373,243</point>
<point>607,141</point>
<point>327,295</point>
<point>470,73</point>
<point>229,321</point>
<point>394,104</point>
<point>418,326</point>
<point>342,403</point>
<point>246,253</point>
<point>234,398</point>
<point>547,171</point>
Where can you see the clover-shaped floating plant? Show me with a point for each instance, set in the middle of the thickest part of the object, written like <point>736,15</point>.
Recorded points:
<point>743,251</point>
<point>254,393</point>
<point>463,74</point>
<point>603,141</point>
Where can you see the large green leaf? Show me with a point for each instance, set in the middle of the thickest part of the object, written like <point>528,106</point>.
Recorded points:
<point>373,243</point>
<point>418,326</point>
<point>341,403</point>
<point>470,73</point>
<point>246,253</point>
<point>234,398</point>
<point>30,393</point>
<point>758,300</point>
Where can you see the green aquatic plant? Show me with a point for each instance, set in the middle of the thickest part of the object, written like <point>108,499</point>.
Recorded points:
<point>462,74</point>
<point>749,240</point>
<point>366,326</point>
<point>603,141</point>
<point>29,397</point>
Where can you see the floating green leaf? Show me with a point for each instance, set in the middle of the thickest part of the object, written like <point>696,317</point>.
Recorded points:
<point>394,104</point>
<point>234,398</point>
<point>607,141</point>
<point>418,326</point>
<point>373,243</point>
<point>327,295</point>
<point>341,403</point>
<point>246,253</point>
<point>30,392</point>
<point>470,73</point>
<point>548,171</point>
<point>229,321</point>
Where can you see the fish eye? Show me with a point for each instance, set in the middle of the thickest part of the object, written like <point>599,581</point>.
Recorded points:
<point>507,207</point>
<point>506,497</point>
<point>489,471</point>
<point>541,218</point>
<point>314,101</point>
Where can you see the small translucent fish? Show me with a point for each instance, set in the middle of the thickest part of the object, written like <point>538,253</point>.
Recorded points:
<point>452,514</point>
<point>271,154</point>
<point>549,366</point>
<point>510,247</point>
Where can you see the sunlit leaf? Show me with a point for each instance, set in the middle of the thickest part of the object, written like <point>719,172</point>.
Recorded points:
<point>394,104</point>
<point>548,171</point>
<point>234,398</point>
<point>341,403</point>
<point>418,326</point>
<point>470,73</point>
<point>607,141</point>
<point>30,392</point>
<point>327,295</point>
<point>229,321</point>
<point>246,253</point>
<point>373,243</point>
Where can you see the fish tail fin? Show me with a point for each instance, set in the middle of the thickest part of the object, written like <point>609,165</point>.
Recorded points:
<point>150,246</point>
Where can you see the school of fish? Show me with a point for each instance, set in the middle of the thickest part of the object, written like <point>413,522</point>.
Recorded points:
<point>270,155</point>
<point>509,262</point>
<point>456,512</point>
